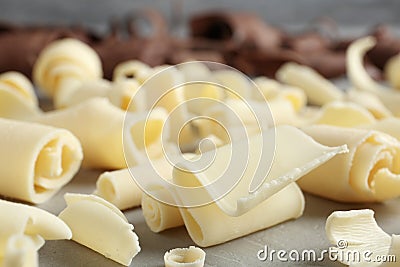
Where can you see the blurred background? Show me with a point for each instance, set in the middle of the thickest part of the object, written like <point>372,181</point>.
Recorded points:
<point>291,14</point>
<point>315,33</point>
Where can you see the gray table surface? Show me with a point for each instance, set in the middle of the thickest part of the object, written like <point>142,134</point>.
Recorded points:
<point>307,232</point>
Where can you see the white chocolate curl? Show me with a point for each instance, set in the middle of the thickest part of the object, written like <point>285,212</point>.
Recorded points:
<point>131,70</point>
<point>392,71</point>
<point>357,231</point>
<point>36,224</point>
<point>17,97</point>
<point>369,101</point>
<point>120,188</point>
<point>319,90</point>
<point>99,125</point>
<point>368,173</point>
<point>37,160</point>
<point>272,90</point>
<point>185,257</point>
<point>21,251</point>
<point>160,216</point>
<point>344,114</point>
<point>62,66</point>
<point>100,226</point>
<point>209,225</point>
<point>362,81</point>
<point>296,154</point>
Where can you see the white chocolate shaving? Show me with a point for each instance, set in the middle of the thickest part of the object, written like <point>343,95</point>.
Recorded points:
<point>389,126</point>
<point>62,66</point>
<point>369,101</point>
<point>99,126</point>
<point>100,226</point>
<point>237,86</point>
<point>209,225</point>
<point>185,257</point>
<point>296,154</point>
<point>368,173</point>
<point>284,112</point>
<point>20,84</point>
<point>272,89</point>
<point>132,70</point>
<point>165,89</point>
<point>160,216</point>
<point>319,90</point>
<point>35,223</point>
<point>201,96</point>
<point>269,88</point>
<point>84,91</point>
<point>359,232</point>
<point>392,70</point>
<point>37,160</point>
<point>344,114</point>
<point>21,251</point>
<point>195,71</point>
<point>17,97</point>
<point>362,81</point>
<point>121,95</point>
<point>119,188</point>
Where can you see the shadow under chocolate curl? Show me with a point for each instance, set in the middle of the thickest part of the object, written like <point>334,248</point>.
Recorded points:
<point>237,30</point>
<point>387,46</point>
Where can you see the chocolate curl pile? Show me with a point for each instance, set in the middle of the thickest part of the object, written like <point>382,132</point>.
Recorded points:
<point>256,48</point>
<point>239,39</point>
<point>244,41</point>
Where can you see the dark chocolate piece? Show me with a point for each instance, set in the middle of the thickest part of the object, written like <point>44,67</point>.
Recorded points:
<point>236,30</point>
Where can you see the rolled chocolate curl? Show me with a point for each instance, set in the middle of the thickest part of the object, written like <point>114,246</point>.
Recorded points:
<point>208,225</point>
<point>17,97</point>
<point>185,257</point>
<point>160,216</point>
<point>63,66</point>
<point>98,124</point>
<point>37,160</point>
<point>368,173</point>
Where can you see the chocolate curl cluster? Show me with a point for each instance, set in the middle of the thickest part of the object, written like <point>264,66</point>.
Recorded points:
<point>239,39</point>
<point>256,48</point>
